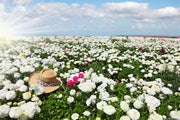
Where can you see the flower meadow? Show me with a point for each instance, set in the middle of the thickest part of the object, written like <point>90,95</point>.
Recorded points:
<point>104,78</point>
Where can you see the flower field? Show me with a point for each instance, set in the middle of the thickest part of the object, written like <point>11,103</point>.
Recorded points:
<point>104,78</point>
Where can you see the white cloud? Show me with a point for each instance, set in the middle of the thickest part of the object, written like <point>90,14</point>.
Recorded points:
<point>137,26</point>
<point>108,21</point>
<point>65,10</point>
<point>19,9</point>
<point>145,20</point>
<point>57,13</point>
<point>55,9</point>
<point>88,10</point>
<point>2,8</point>
<point>140,12</point>
<point>168,12</point>
<point>19,1</point>
<point>136,12</point>
<point>125,7</point>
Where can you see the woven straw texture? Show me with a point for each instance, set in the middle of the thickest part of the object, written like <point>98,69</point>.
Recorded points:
<point>47,89</point>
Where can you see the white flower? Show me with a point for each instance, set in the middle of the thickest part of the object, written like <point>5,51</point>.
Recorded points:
<point>26,95</point>
<point>19,83</point>
<point>86,113</point>
<point>133,114</point>
<point>30,109</point>
<point>75,116</point>
<point>15,112</point>
<point>152,102</point>
<point>87,86</point>
<point>175,114</point>
<point>124,117</point>
<point>127,97</point>
<point>4,111</point>
<point>81,80</point>
<point>169,107</point>
<point>101,105</point>
<point>112,87</point>
<point>104,95</point>
<point>70,99</point>
<point>59,96</point>
<point>98,118</point>
<point>113,99</point>
<point>155,88</point>
<point>55,69</point>
<point>151,91</point>
<point>166,90</point>
<point>10,95</point>
<point>3,93</point>
<point>161,67</point>
<point>72,92</point>
<point>178,88</point>
<point>133,89</point>
<point>155,116</point>
<point>23,88</point>
<point>26,79</point>
<point>124,106</point>
<point>88,102</point>
<point>39,90</point>
<point>39,102</point>
<point>23,117</point>
<point>65,119</point>
<point>129,85</point>
<point>9,103</point>
<point>138,104</point>
<point>109,109</point>
<point>20,103</point>
<point>16,75</point>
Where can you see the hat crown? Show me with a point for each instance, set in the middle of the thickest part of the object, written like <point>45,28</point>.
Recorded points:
<point>47,76</point>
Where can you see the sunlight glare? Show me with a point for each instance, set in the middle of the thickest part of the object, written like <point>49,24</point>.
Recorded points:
<point>7,31</point>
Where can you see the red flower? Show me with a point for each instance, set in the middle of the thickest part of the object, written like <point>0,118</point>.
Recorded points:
<point>70,83</point>
<point>142,48</point>
<point>75,79</point>
<point>162,49</point>
<point>81,75</point>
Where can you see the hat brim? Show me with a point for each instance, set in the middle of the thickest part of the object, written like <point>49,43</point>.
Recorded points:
<point>47,89</point>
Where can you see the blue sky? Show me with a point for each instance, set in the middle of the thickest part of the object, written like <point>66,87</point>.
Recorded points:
<point>92,17</point>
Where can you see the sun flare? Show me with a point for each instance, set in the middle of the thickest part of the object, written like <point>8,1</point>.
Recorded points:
<point>7,31</point>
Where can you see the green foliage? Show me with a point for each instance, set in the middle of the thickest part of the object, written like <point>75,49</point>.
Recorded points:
<point>170,78</point>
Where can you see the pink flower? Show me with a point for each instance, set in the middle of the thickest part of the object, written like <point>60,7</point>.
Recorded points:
<point>81,75</point>
<point>42,44</point>
<point>70,83</point>
<point>64,51</point>
<point>86,58</point>
<point>142,48</point>
<point>173,41</point>
<point>75,79</point>
<point>172,45</point>
<point>162,49</point>
<point>163,39</point>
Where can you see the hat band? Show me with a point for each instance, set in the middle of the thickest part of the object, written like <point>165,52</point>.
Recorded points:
<point>45,84</point>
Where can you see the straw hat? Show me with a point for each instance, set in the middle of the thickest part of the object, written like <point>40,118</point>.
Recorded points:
<point>46,79</point>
